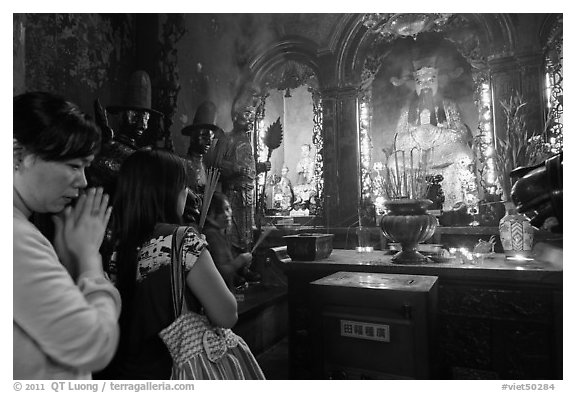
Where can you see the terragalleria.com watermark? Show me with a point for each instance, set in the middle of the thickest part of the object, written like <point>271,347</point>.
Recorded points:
<point>103,386</point>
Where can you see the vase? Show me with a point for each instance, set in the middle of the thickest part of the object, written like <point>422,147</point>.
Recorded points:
<point>408,223</point>
<point>516,232</point>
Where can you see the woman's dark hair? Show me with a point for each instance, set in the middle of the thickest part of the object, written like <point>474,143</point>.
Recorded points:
<point>217,203</point>
<point>53,128</point>
<point>147,190</point>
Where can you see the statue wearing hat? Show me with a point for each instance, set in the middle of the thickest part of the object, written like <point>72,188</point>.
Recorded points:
<point>134,115</point>
<point>135,111</point>
<point>238,167</point>
<point>201,133</point>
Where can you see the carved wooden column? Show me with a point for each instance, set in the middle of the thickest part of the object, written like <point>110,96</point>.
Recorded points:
<point>505,80</point>
<point>19,43</point>
<point>341,175</point>
<point>531,68</point>
<point>522,73</point>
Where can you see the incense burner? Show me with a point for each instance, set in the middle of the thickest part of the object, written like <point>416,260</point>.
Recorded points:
<point>408,223</point>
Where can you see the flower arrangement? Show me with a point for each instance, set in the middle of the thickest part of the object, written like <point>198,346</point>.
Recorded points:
<point>519,147</point>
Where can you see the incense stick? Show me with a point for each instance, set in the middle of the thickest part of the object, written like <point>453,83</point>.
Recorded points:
<point>213,157</point>
<point>398,184</point>
<point>412,176</point>
<point>263,236</point>
<point>212,176</point>
<point>405,180</point>
<point>411,181</point>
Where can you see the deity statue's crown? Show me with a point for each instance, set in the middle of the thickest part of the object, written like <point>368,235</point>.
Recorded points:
<point>425,73</point>
<point>247,99</point>
<point>424,64</point>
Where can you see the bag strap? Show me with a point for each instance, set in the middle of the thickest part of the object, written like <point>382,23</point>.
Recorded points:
<point>178,279</point>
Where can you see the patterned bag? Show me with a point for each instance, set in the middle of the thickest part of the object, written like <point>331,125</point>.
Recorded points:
<point>198,349</point>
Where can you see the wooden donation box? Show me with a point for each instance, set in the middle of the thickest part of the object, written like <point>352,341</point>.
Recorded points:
<point>373,325</point>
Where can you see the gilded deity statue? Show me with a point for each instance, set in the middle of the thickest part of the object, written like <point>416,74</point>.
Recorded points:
<point>305,166</point>
<point>434,126</point>
<point>238,167</point>
<point>283,192</point>
<point>305,187</point>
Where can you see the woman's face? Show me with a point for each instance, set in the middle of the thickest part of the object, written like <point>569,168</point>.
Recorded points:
<point>224,219</point>
<point>49,186</point>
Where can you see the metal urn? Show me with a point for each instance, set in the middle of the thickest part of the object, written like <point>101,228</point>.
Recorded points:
<point>408,223</point>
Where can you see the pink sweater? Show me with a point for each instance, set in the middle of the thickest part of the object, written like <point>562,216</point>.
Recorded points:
<point>61,329</point>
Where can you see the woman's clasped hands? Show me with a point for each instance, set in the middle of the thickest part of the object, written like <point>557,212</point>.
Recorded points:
<point>79,231</point>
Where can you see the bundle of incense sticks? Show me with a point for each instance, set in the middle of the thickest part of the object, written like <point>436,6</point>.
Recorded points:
<point>263,236</point>
<point>405,177</point>
<point>212,176</point>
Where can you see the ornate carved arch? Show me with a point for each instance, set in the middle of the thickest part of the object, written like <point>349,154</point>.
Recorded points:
<point>285,65</point>
<point>551,30</point>
<point>291,49</point>
<point>493,33</point>
<point>360,54</point>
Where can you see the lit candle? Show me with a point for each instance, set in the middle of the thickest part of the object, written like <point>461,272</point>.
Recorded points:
<point>364,249</point>
<point>519,258</point>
